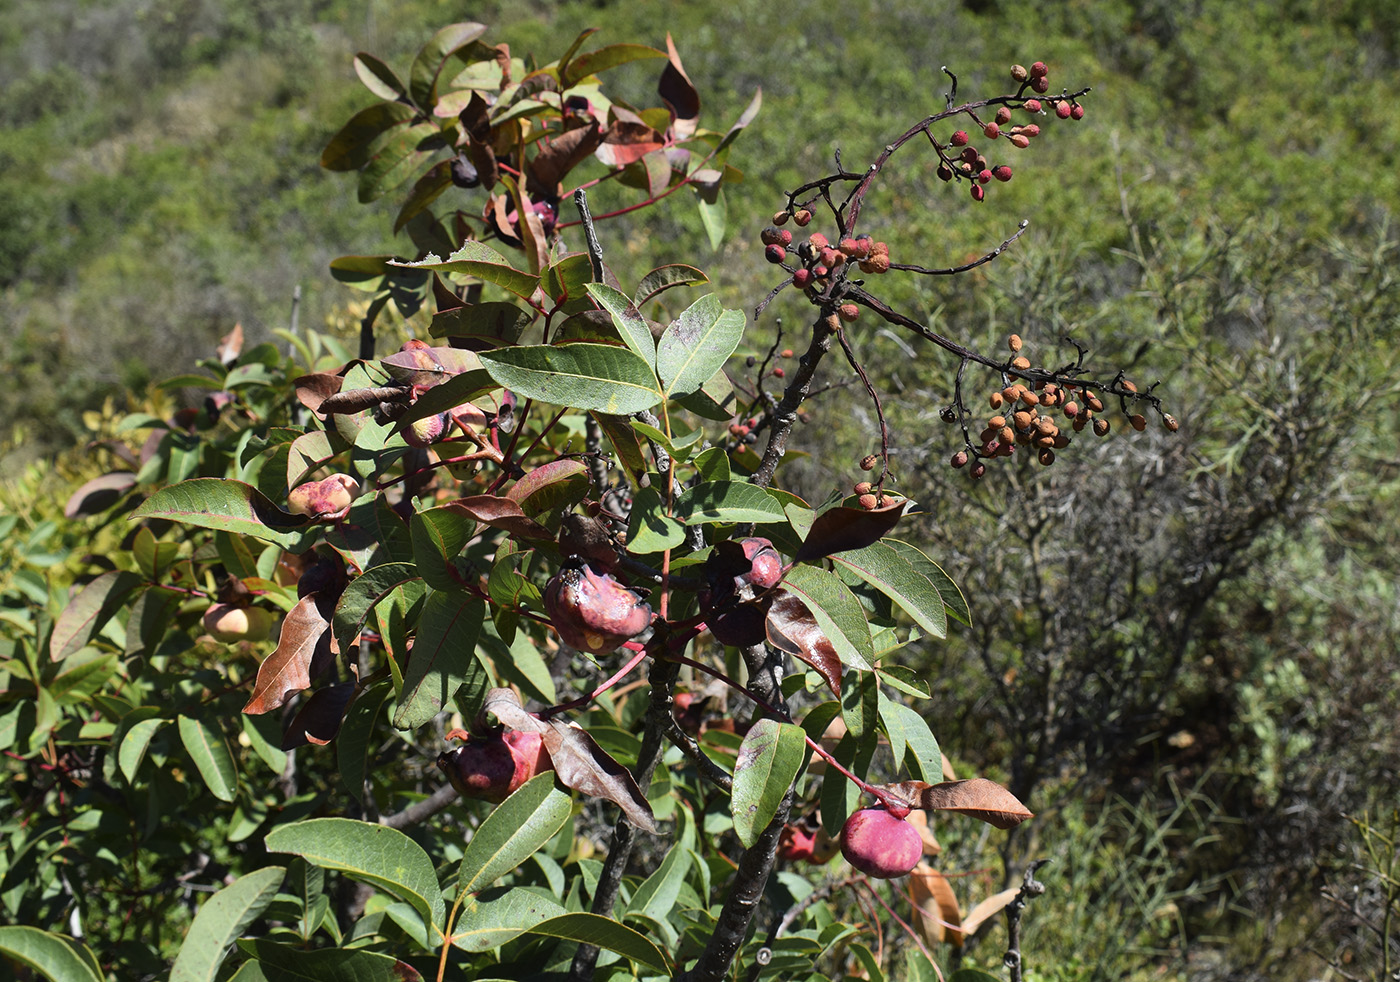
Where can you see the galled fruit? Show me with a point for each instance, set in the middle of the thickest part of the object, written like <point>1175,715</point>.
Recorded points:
<point>880,845</point>
<point>592,611</point>
<point>491,768</point>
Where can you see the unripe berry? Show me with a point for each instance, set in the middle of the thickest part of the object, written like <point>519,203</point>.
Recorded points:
<point>863,487</point>
<point>1077,112</point>
<point>1071,409</point>
<point>868,501</point>
<point>1062,110</point>
<point>1032,106</point>
<point>991,131</point>
<point>959,139</point>
<point>959,458</point>
<point>978,192</point>
<point>1020,141</point>
<point>775,253</point>
<point>820,272</point>
<point>425,432</point>
<point>1003,115</point>
<point>1019,73</point>
<point>1039,70</point>
<point>880,249</point>
<point>785,353</point>
<point>229,623</point>
<point>1002,173</point>
<point>1041,85</point>
<point>848,312</point>
<point>868,462</point>
<point>802,216</point>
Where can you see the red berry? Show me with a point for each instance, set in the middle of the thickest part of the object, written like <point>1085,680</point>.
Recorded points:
<point>991,131</point>
<point>984,177</point>
<point>848,311</point>
<point>978,192</point>
<point>1003,115</point>
<point>1062,109</point>
<point>1032,106</point>
<point>1031,130</point>
<point>493,767</point>
<point>802,278</point>
<point>802,216</point>
<point>775,253</point>
<point>880,845</point>
<point>818,241</point>
<point>771,236</point>
<point>785,353</point>
<point>1041,85</point>
<point>1020,141</point>
<point>592,611</point>
<point>959,139</point>
<point>1077,112</point>
<point>1038,70</point>
<point>1002,173</point>
<point>779,372</point>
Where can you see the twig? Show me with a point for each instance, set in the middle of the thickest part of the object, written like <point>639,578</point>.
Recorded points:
<point>1030,887</point>
<point>420,810</point>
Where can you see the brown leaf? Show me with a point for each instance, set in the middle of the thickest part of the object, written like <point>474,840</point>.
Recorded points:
<point>358,400</point>
<point>560,155</point>
<point>501,513</point>
<point>231,345</point>
<point>288,670</point>
<point>988,908</point>
<point>679,93</point>
<point>627,138</point>
<point>841,529</point>
<point>99,494</point>
<point>312,390</point>
<point>980,798</point>
<point>318,719</point>
<point>936,914</point>
<point>580,763</point>
<point>792,628</point>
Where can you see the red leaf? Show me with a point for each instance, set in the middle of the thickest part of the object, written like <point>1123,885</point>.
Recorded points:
<point>792,628</point>
<point>679,93</point>
<point>562,154</point>
<point>288,670</point>
<point>980,798</point>
<point>549,485</point>
<point>501,513</point>
<point>312,390</point>
<point>842,529</point>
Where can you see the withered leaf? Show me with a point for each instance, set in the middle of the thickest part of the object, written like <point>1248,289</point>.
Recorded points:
<point>312,390</point>
<point>792,628</point>
<point>288,670</point>
<point>358,400</point>
<point>936,914</point>
<point>318,719</point>
<point>99,494</point>
<point>988,908</point>
<point>501,513</point>
<point>979,798</point>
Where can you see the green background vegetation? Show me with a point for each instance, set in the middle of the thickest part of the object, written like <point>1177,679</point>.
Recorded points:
<point>1184,650</point>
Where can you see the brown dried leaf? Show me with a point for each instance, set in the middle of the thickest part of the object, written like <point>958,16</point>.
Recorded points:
<point>792,628</point>
<point>580,763</point>
<point>288,670</point>
<point>936,914</point>
<point>358,400</point>
<point>231,345</point>
<point>562,154</point>
<point>312,390</point>
<point>318,719</point>
<point>980,798</point>
<point>988,908</point>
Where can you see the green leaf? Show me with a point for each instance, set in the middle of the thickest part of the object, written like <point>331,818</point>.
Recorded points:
<point>54,956</point>
<point>291,963</point>
<point>663,278</point>
<point>838,613</point>
<point>89,611</point>
<point>631,325</point>
<point>490,921</point>
<point>608,56</point>
<point>394,160</point>
<point>658,893</point>
<point>220,921</point>
<point>352,743</point>
<point>132,749</point>
<point>444,656</point>
<point>376,854</point>
<point>604,932</point>
<point>839,796</point>
<point>916,741</point>
<point>713,213</point>
<point>350,148</point>
<point>727,501</point>
<point>953,599</point>
<point>378,77</point>
<point>438,535</point>
<point>362,594</point>
<point>230,506</point>
<point>515,830</point>
<point>423,75</point>
<point>651,529</point>
<point>769,759</point>
<point>483,262</point>
<point>205,744</point>
<point>592,377</point>
<point>887,570</point>
<point>859,701</point>
<point>696,345</point>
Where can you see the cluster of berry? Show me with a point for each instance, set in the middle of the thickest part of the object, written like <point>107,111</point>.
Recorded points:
<point>820,261</point>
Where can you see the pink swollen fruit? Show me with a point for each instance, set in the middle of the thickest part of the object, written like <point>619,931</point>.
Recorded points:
<point>592,611</point>
<point>880,845</point>
<point>229,623</point>
<point>324,501</point>
<point>425,432</point>
<point>766,567</point>
<point>493,767</point>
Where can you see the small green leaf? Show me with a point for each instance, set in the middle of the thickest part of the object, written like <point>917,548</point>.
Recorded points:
<point>428,62</point>
<point>592,377</point>
<point>483,262</point>
<point>912,740</point>
<point>361,596</point>
<point>696,345</point>
<point>88,612</point>
<point>205,744</point>
<point>663,278</point>
<point>132,748</point>
<point>220,921</point>
<point>604,932</point>
<point>438,535</point>
<point>378,77</point>
<point>727,501</point>
<point>515,830</point>
<point>859,701</point>
<point>713,213</point>
<point>376,854</point>
<point>769,759</point>
<point>651,529</point>
<point>497,916</point>
<point>609,56</point>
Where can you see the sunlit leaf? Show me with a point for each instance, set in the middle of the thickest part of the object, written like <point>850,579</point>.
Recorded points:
<point>769,759</point>
<point>593,377</point>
